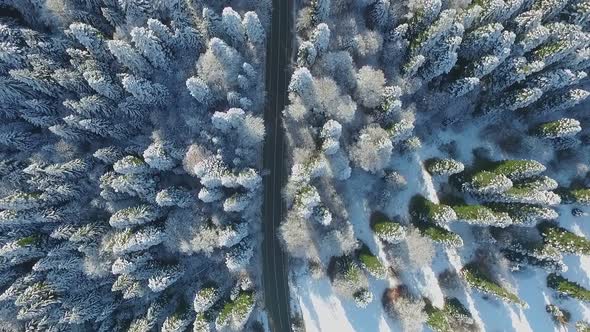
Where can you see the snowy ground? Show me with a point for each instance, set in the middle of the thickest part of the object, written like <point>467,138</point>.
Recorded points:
<point>323,310</point>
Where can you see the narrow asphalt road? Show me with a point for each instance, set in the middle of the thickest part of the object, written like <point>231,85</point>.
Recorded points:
<point>275,269</point>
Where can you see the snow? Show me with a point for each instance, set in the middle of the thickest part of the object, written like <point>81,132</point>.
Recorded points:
<point>324,310</point>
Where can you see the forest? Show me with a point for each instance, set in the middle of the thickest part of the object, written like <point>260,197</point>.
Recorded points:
<point>130,144</point>
<point>440,164</point>
<point>438,157</point>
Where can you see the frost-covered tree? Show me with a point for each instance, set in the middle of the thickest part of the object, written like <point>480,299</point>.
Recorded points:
<point>98,188</point>
<point>129,57</point>
<point>370,86</point>
<point>145,91</point>
<point>444,166</point>
<point>232,26</point>
<point>373,149</point>
<point>459,109</point>
<point>150,46</point>
<point>254,29</point>
<point>565,127</point>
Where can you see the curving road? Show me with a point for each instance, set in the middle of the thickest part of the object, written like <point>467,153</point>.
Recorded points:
<point>275,269</point>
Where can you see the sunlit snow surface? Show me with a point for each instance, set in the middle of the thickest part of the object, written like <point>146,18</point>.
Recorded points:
<point>325,311</point>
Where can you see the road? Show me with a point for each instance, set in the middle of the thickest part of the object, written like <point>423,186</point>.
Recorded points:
<point>275,269</point>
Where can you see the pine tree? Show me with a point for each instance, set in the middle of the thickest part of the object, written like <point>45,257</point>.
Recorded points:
<point>134,216</point>
<point>438,166</point>
<point>128,241</point>
<point>199,90</point>
<point>179,320</point>
<point>129,57</point>
<point>130,165</point>
<point>151,47</point>
<point>205,298</point>
<point>565,127</point>
<point>232,26</point>
<point>90,38</point>
<point>379,13</point>
<point>145,91</point>
<point>388,231</point>
<point>103,84</point>
<point>164,277</point>
<point>321,38</point>
<point>254,29</point>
